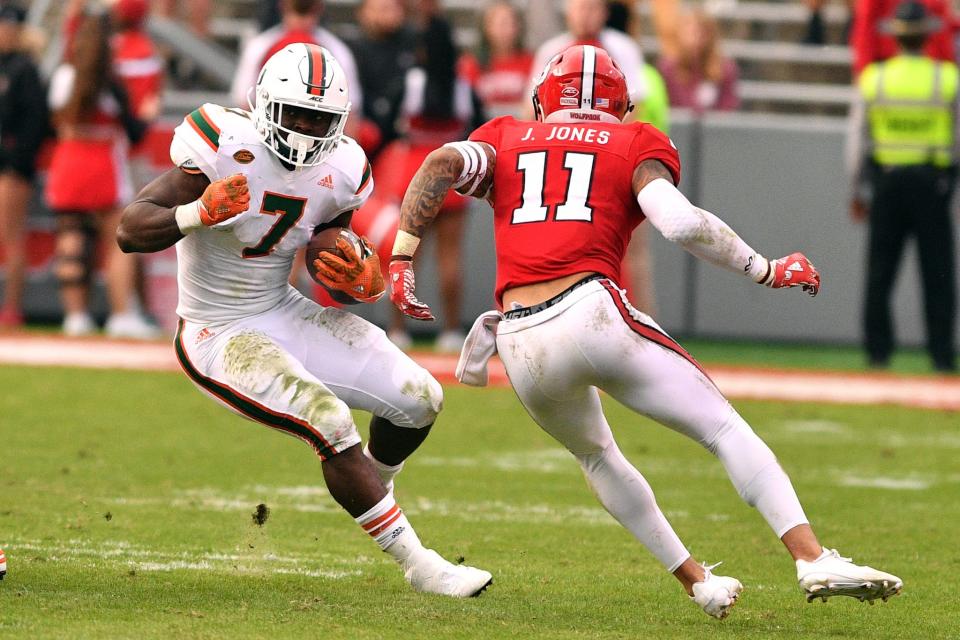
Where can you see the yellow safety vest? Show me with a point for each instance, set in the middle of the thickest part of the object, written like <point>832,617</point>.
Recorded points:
<point>910,106</point>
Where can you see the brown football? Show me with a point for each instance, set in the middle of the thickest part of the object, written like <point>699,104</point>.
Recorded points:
<point>326,240</point>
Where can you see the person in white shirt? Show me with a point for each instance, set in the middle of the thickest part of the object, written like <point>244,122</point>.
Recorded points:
<point>300,23</point>
<point>586,24</point>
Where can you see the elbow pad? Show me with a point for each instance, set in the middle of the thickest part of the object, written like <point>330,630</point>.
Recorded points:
<point>474,165</point>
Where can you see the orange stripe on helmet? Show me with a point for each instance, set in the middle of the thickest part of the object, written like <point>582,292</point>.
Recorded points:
<point>318,70</point>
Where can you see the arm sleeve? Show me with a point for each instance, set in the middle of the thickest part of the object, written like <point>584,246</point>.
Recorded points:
<point>196,141</point>
<point>699,232</point>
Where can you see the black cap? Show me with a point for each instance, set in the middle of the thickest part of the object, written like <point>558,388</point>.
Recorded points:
<point>911,19</point>
<point>12,13</point>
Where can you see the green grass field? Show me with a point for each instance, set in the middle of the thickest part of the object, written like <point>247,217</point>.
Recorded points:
<point>126,502</point>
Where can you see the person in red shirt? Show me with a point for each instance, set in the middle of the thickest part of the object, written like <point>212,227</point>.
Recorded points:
<point>89,177</point>
<point>500,71</point>
<point>871,44</point>
<point>567,191</point>
<point>438,107</point>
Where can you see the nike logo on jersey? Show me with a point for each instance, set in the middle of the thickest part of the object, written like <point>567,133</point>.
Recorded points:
<point>327,181</point>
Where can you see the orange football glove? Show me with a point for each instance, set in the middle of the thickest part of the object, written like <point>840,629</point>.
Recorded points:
<point>224,199</point>
<point>358,277</point>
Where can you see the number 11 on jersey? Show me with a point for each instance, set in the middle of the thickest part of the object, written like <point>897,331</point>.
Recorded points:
<point>533,165</point>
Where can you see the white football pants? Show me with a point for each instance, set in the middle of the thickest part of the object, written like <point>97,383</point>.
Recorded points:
<point>557,359</point>
<point>300,367</point>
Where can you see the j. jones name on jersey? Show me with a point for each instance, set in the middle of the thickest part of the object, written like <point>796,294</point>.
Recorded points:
<point>572,134</point>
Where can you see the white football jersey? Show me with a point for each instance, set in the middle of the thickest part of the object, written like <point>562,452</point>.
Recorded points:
<point>241,266</point>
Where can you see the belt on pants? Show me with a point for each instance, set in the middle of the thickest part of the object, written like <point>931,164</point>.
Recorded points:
<point>523,312</point>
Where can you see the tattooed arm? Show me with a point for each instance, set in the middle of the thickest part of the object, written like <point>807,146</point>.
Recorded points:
<point>464,166</point>
<point>708,237</point>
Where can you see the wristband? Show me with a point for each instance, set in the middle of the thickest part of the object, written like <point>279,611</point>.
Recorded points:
<point>758,268</point>
<point>188,217</point>
<point>405,244</point>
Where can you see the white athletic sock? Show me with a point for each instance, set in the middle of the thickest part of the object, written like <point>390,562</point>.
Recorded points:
<point>627,496</point>
<point>757,476</point>
<point>385,471</point>
<point>387,525</point>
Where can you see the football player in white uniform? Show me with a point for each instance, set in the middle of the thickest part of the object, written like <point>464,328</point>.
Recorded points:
<point>250,189</point>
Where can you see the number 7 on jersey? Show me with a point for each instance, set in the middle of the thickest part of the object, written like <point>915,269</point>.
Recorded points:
<point>289,208</point>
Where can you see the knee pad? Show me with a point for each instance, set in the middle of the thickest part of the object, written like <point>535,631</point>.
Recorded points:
<point>75,249</point>
<point>423,397</point>
<point>757,476</point>
<point>747,458</point>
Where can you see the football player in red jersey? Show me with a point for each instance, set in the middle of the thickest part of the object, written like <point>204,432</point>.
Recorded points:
<point>567,191</point>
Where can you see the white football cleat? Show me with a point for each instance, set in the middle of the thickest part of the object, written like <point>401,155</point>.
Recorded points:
<point>428,572</point>
<point>716,594</point>
<point>3,565</point>
<point>832,575</point>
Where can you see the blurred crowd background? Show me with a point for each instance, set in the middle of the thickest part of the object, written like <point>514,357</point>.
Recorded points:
<point>756,94</point>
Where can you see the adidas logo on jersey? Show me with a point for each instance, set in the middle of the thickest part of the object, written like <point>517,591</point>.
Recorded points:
<point>327,182</point>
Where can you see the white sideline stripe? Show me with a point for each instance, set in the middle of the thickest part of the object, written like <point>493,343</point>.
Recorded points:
<point>158,560</point>
<point>211,499</point>
<point>547,461</point>
<point>897,484</point>
<point>742,383</point>
<point>221,504</point>
<point>93,354</point>
<point>816,426</point>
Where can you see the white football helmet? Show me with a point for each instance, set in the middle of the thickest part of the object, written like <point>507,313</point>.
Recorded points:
<point>300,76</point>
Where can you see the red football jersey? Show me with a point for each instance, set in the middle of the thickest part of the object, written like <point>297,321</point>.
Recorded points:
<point>562,195</point>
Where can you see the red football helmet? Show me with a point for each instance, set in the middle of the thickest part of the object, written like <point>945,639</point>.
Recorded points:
<point>582,77</point>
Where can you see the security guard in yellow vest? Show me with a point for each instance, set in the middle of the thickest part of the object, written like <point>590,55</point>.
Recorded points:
<point>904,157</point>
